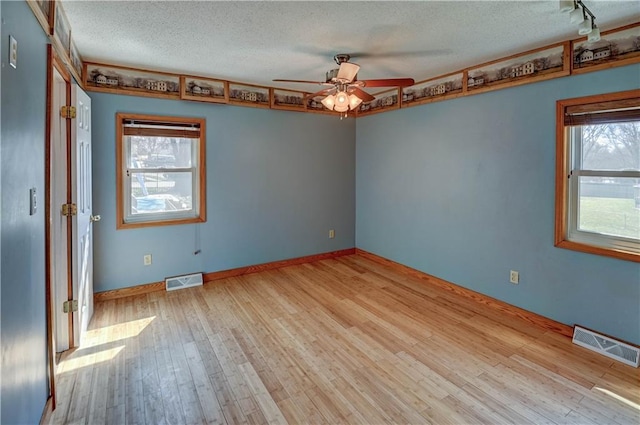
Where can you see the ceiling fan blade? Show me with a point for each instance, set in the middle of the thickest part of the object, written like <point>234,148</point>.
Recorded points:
<point>322,92</point>
<point>300,81</point>
<point>366,97</point>
<point>396,54</point>
<point>388,82</point>
<point>348,71</point>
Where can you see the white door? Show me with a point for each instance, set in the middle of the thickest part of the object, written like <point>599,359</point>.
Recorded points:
<point>82,240</point>
<point>60,282</point>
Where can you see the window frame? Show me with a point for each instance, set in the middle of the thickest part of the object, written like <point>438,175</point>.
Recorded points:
<point>566,235</point>
<point>121,174</point>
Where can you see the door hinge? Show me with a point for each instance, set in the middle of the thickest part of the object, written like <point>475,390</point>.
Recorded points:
<point>70,306</point>
<point>68,112</point>
<point>69,210</point>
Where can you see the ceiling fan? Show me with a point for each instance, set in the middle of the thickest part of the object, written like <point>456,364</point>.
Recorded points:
<point>345,90</point>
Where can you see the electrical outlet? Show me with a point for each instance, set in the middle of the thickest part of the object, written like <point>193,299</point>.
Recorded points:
<point>13,52</point>
<point>33,201</point>
<point>332,234</point>
<point>514,277</point>
<point>147,260</point>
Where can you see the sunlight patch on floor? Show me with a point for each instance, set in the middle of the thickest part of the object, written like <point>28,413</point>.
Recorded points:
<point>619,398</point>
<point>78,360</point>
<point>102,344</point>
<point>117,332</point>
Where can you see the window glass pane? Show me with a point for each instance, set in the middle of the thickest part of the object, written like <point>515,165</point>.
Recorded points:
<point>161,192</point>
<point>610,206</point>
<point>611,146</point>
<point>160,152</point>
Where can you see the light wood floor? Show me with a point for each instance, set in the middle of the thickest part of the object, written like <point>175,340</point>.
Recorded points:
<point>336,341</point>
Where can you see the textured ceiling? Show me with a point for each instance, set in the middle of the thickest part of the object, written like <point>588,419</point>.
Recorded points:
<point>255,42</point>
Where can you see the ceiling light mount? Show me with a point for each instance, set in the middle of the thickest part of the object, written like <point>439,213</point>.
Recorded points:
<point>341,57</point>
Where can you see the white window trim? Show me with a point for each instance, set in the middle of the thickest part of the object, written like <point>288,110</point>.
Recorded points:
<point>574,233</point>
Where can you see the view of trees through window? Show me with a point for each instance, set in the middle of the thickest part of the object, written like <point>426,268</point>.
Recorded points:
<point>610,204</point>
<point>162,176</point>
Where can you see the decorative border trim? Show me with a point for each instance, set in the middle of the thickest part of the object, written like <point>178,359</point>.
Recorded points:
<point>440,88</point>
<point>287,105</point>
<point>49,23</point>
<point>485,300</point>
<point>522,76</point>
<point>204,87</point>
<point>612,62</point>
<point>223,274</point>
<point>387,100</point>
<point>43,18</point>
<point>75,65</point>
<point>114,79</point>
<point>61,30</point>
<point>251,95</point>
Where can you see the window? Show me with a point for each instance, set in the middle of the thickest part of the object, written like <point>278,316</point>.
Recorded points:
<point>160,170</point>
<point>598,175</point>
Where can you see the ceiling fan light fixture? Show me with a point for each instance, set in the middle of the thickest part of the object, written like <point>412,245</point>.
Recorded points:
<point>342,101</point>
<point>341,108</point>
<point>346,90</point>
<point>354,101</point>
<point>329,102</point>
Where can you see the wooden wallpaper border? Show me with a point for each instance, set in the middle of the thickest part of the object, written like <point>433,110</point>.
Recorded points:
<point>617,47</point>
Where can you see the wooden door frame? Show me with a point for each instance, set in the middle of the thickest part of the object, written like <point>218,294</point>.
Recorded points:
<point>54,62</point>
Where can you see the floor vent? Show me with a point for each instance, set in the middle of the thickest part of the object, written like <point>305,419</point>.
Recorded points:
<point>606,346</point>
<point>184,281</point>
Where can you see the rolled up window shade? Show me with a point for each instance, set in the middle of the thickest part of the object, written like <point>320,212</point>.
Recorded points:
<point>160,129</point>
<point>615,111</point>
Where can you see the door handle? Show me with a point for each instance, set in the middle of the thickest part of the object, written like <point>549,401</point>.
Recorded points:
<point>95,218</point>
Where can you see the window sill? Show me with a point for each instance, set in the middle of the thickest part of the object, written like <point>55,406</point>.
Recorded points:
<point>137,225</point>
<point>598,250</point>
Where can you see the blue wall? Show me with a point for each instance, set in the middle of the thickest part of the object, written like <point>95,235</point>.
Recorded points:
<point>464,190</point>
<point>276,183</point>
<point>23,331</point>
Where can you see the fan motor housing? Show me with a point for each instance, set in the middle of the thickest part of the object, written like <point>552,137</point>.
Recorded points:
<point>332,75</point>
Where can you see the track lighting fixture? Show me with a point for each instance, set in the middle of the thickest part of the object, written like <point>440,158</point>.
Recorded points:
<point>594,35</point>
<point>566,5</point>
<point>581,15</point>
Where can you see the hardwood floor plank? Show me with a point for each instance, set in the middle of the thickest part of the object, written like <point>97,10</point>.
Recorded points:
<point>345,340</point>
<point>169,388</point>
<point>267,405</point>
<point>505,411</point>
<point>231,409</point>
<point>291,412</point>
<point>97,410</point>
<point>206,395</point>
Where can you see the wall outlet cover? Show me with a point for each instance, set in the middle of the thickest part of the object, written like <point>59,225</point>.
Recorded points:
<point>13,52</point>
<point>33,201</point>
<point>514,277</point>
